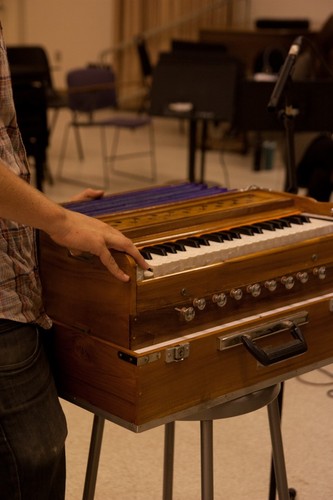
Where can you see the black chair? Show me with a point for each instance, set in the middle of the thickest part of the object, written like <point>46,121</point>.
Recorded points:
<point>33,59</point>
<point>146,68</point>
<point>30,103</point>
<point>91,90</point>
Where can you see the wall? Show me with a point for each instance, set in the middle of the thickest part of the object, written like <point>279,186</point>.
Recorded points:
<point>10,19</point>
<point>74,32</point>
<point>315,11</point>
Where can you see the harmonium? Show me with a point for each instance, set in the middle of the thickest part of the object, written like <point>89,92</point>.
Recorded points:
<point>238,297</point>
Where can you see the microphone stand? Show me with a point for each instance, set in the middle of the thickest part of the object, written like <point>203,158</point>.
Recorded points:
<point>287,114</point>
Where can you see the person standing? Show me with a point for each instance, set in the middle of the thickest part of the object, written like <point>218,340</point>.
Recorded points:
<point>32,424</point>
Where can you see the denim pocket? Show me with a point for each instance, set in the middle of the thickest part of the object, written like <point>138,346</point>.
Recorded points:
<point>19,346</point>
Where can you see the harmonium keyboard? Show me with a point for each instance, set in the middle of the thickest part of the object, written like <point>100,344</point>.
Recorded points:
<point>239,296</point>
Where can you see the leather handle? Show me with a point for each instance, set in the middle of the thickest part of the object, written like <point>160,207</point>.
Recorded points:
<point>270,355</point>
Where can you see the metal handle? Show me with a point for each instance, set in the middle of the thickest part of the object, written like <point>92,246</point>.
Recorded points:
<point>270,355</point>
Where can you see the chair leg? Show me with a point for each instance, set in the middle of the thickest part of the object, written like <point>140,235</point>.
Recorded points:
<point>169,446</point>
<point>55,114</point>
<point>64,147</point>
<point>114,149</point>
<point>152,153</point>
<point>277,449</point>
<point>105,157</point>
<point>78,143</point>
<point>63,151</point>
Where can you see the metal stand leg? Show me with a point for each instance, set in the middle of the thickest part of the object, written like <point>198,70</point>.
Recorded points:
<point>93,458</point>
<point>169,446</point>
<point>267,397</point>
<point>207,476</point>
<point>277,447</point>
<point>272,484</point>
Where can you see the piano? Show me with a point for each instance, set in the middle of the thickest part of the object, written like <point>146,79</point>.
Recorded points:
<point>239,296</point>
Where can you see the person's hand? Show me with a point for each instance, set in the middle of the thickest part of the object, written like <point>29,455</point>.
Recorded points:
<point>80,233</point>
<point>88,194</point>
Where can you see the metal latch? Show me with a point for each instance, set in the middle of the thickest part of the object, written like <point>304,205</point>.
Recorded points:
<point>177,353</point>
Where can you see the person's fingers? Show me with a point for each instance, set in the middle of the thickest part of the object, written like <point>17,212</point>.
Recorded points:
<point>111,265</point>
<point>88,194</point>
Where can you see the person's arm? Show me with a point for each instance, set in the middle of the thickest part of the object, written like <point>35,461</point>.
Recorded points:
<point>22,203</point>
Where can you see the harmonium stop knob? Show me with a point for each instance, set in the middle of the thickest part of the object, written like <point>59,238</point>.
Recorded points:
<point>186,313</point>
<point>236,293</point>
<point>219,299</point>
<point>254,289</point>
<point>199,303</point>
<point>302,276</point>
<point>288,282</point>
<point>271,285</point>
<point>320,272</point>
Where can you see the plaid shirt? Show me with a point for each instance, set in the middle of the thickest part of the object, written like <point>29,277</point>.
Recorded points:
<point>20,288</point>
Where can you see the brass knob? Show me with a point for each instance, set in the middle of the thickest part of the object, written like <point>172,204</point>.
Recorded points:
<point>254,289</point>
<point>236,293</point>
<point>288,282</point>
<point>220,299</point>
<point>199,303</point>
<point>302,276</point>
<point>271,285</point>
<point>186,313</point>
<point>320,272</point>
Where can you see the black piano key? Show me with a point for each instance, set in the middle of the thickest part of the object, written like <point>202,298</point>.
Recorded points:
<point>189,242</point>
<point>201,240</point>
<point>229,235</point>
<point>247,230</point>
<point>145,254</point>
<point>179,247</point>
<point>256,229</point>
<point>285,222</point>
<point>169,247</point>
<point>156,249</point>
<point>266,225</point>
<point>234,234</point>
<point>298,219</point>
<point>277,223</point>
<point>218,237</point>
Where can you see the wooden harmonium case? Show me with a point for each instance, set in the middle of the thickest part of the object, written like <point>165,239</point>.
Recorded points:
<point>238,296</point>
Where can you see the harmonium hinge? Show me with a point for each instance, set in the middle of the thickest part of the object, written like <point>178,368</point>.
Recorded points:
<point>144,360</point>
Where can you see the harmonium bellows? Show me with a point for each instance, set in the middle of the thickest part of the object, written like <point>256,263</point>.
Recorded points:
<point>239,295</point>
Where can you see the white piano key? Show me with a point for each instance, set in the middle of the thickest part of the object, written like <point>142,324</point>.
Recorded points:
<point>219,252</point>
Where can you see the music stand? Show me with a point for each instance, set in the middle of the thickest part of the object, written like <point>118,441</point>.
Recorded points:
<point>197,87</point>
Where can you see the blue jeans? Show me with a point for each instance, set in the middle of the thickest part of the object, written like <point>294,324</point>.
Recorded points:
<point>32,424</point>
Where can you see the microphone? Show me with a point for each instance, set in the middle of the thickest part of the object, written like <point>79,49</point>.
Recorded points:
<point>284,73</point>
